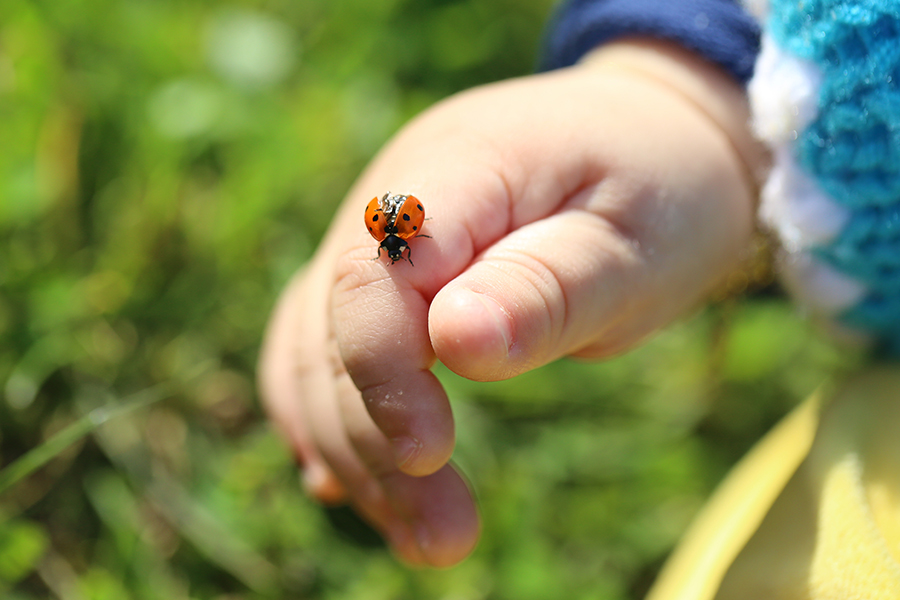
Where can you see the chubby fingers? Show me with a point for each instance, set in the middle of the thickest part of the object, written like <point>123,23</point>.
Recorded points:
<point>281,384</point>
<point>619,260</point>
<point>427,520</point>
<point>597,211</point>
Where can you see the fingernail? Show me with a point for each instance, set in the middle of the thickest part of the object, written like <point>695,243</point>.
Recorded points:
<point>492,329</point>
<point>405,450</point>
<point>314,477</point>
<point>319,483</point>
<point>500,318</point>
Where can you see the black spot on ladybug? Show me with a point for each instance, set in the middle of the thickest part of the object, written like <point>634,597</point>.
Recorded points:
<point>414,228</point>
<point>405,217</point>
<point>419,206</point>
<point>375,217</point>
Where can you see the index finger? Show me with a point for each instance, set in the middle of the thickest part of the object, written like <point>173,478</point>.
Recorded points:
<point>380,316</point>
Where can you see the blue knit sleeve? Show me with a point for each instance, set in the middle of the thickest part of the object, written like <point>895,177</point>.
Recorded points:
<point>718,30</point>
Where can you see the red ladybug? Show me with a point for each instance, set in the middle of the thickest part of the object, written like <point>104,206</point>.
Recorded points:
<point>392,220</point>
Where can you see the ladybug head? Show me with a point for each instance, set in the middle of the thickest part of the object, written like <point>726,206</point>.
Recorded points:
<point>394,246</point>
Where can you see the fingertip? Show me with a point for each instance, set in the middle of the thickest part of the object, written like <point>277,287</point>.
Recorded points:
<point>441,515</point>
<point>472,333</point>
<point>413,457</point>
<point>450,526</point>
<point>406,451</point>
<point>320,483</point>
<point>445,545</point>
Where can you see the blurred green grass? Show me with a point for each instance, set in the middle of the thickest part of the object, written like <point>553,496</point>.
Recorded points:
<point>164,167</point>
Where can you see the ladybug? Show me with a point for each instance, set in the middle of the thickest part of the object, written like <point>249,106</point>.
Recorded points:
<point>392,220</point>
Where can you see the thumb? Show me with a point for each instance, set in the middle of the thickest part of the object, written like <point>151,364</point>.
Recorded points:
<point>595,279</point>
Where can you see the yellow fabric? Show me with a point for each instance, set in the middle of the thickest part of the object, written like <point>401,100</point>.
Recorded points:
<point>812,513</point>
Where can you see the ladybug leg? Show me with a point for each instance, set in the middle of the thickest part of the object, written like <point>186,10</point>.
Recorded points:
<point>409,256</point>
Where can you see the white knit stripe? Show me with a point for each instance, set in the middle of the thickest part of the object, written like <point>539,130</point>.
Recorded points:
<point>784,94</point>
<point>819,287</point>
<point>795,208</point>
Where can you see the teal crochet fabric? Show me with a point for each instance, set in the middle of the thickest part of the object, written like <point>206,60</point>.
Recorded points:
<point>852,148</point>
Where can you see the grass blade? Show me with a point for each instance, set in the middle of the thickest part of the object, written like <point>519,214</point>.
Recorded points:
<point>37,457</point>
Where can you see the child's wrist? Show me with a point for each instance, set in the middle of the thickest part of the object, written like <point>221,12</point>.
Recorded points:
<point>710,89</point>
<point>723,101</point>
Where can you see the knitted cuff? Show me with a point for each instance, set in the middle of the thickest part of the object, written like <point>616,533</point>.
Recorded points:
<point>718,30</point>
<point>826,98</point>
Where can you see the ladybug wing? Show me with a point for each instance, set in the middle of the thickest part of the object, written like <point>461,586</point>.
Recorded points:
<point>409,218</point>
<point>376,221</point>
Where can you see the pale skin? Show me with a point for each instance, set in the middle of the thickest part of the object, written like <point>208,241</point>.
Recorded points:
<point>572,213</point>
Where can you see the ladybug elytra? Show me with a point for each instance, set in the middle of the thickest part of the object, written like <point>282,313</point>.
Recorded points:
<point>392,220</point>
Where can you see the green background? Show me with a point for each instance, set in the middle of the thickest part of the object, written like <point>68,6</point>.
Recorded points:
<point>164,167</point>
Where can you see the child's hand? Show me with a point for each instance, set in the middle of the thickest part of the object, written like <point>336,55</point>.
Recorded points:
<point>572,213</point>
